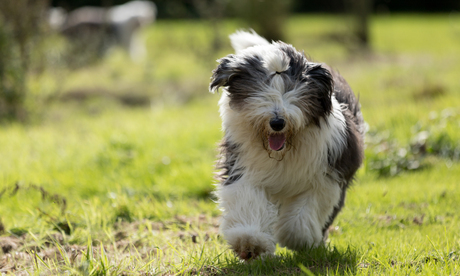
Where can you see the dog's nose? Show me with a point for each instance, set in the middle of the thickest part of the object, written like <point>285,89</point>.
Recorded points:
<point>277,124</point>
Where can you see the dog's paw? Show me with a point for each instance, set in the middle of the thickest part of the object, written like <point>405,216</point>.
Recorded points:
<point>298,236</point>
<point>249,243</point>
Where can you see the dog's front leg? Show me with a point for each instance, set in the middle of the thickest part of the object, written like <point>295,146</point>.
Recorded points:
<point>302,218</point>
<point>247,220</point>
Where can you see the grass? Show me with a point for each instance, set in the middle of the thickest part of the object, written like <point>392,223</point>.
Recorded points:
<point>103,187</point>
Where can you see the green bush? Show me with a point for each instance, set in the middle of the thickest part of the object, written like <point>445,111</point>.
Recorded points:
<point>437,137</point>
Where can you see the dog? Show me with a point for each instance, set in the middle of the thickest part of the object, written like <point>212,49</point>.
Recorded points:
<point>293,141</point>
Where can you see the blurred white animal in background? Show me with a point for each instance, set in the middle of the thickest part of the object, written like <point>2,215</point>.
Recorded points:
<point>99,29</point>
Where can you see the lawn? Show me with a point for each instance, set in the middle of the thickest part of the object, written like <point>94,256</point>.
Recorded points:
<point>116,176</point>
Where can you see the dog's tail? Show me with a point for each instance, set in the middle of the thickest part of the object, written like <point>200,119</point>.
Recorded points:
<point>241,40</point>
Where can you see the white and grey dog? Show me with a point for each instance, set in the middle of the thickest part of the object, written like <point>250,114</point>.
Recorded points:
<point>292,144</point>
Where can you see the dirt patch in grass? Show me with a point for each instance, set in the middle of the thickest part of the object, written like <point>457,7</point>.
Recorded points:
<point>143,239</point>
<point>8,244</point>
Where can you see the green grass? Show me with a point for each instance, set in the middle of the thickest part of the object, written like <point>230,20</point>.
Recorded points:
<point>97,187</point>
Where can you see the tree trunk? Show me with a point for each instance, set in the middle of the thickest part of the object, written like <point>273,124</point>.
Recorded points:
<point>360,11</point>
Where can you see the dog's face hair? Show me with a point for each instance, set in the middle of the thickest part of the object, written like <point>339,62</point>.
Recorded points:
<point>279,91</point>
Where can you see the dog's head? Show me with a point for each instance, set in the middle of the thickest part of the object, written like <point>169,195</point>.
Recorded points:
<point>276,90</point>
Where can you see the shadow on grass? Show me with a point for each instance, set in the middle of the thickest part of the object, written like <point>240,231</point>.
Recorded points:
<point>324,260</point>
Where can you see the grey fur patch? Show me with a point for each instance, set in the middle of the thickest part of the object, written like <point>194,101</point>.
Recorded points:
<point>352,157</point>
<point>242,75</point>
<point>228,173</point>
<point>317,99</point>
<point>345,95</point>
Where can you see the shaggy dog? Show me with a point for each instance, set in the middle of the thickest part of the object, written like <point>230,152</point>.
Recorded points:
<point>292,144</point>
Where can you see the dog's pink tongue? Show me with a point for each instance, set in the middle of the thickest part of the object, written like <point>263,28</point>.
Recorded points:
<point>276,141</point>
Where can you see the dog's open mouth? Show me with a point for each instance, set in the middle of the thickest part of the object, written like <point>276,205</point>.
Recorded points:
<point>277,141</point>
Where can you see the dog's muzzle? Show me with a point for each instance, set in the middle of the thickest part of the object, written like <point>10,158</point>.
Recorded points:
<point>276,141</point>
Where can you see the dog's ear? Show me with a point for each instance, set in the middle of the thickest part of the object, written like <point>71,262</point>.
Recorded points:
<point>221,75</point>
<point>321,84</point>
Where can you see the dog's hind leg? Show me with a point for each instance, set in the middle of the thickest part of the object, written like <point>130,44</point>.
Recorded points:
<point>248,217</point>
<point>302,218</point>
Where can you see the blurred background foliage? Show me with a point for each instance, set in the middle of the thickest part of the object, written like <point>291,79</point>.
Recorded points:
<point>35,59</point>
